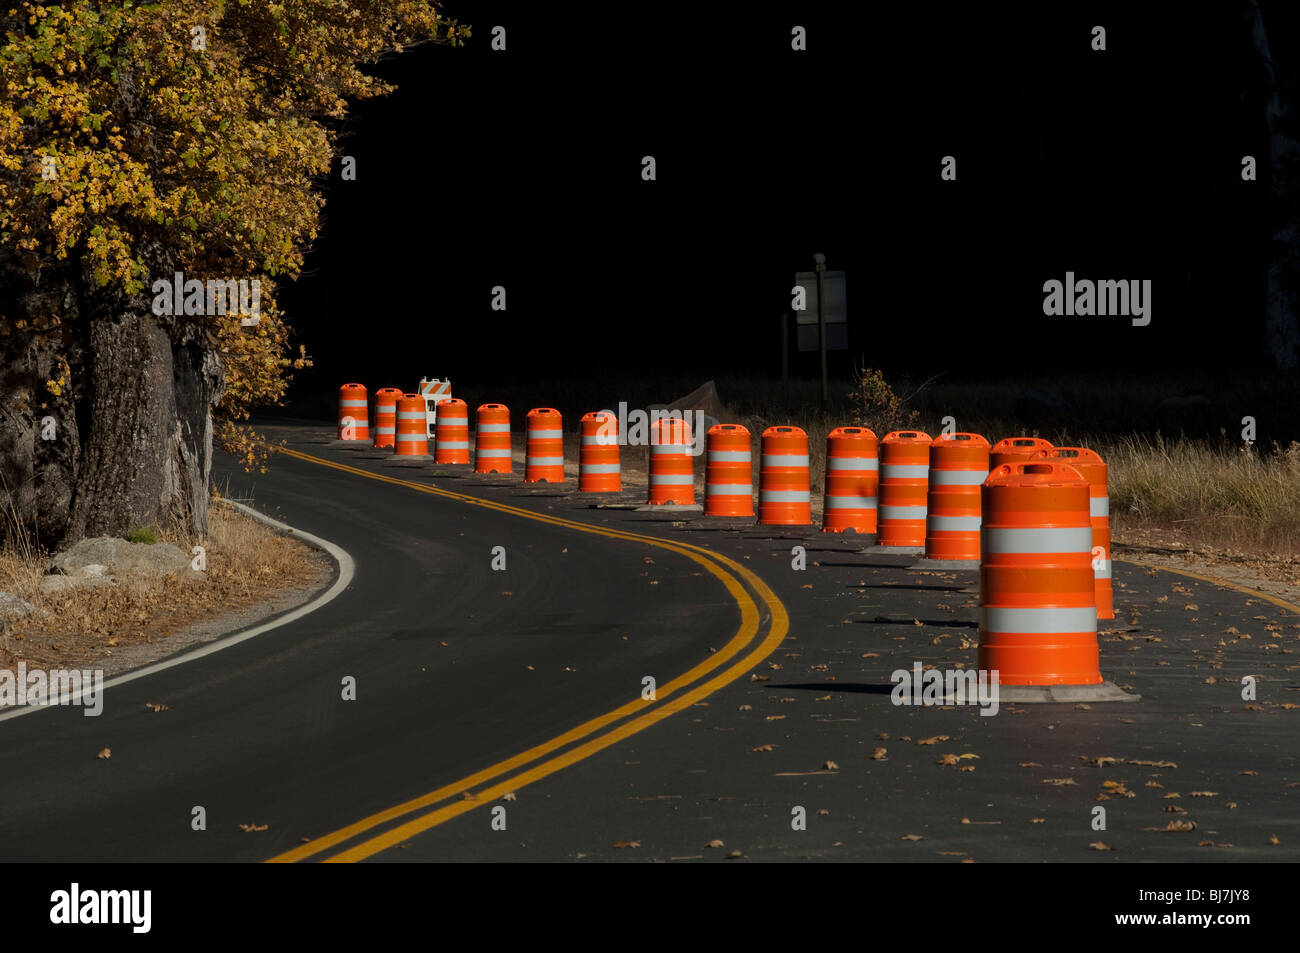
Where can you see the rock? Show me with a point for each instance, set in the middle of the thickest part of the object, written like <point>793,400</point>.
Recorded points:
<point>108,555</point>
<point>56,585</point>
<point>12,607</point>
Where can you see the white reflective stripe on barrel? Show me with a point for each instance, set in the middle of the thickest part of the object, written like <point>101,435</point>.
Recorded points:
<point>1038,621</point>
<point>958,477</point>
<point>850,502</point>
<point>409,415</point>
<point>1039,539</point>
<point>493,428</point>
<point>411,438</point>
<point>784,496</point>
<point>352,403</point>
<point>600,440</point>
<point>785,459</point>
<point>852,463</point>
<point>902,512</point>
<point>1099,506</point>
<point>491,454</point>
<point>387,431</point>
<point>545,434</point>
<point>893,471</point>
<point>671,479</point>
<point>592,468</point>
<point>953,524</point>
<point>453,444</point>
<point>674,449</point>
<point>730,456</point>
<point>1104,571</point>
<point>545,461</point>
<point>730,489</point>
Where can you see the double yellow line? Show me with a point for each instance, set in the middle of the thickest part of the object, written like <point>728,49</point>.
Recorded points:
<point>485,786</point>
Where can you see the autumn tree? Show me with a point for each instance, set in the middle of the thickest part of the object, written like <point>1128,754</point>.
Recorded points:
<point>138,141</point>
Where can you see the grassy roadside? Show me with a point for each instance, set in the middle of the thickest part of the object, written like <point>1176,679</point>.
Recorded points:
<point>247,564</point>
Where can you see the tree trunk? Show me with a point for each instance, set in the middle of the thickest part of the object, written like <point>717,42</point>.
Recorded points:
<point>147,455</point>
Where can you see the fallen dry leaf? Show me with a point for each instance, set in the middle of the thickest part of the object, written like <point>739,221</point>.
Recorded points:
<point>620,844</point>
<point>735,855</point>
<point>931,741</point>
<point>912,837</point>
<point>830,766</point>
<point>715,843</point>
<point>1099,845</point>
<point>1059,782</point>
<point>250,828</point>
<point>106,753</point>
<point>878,754</point>
<point>768,747</point>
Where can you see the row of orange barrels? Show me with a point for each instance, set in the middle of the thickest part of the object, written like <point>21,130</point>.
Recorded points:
<point>907,489</point>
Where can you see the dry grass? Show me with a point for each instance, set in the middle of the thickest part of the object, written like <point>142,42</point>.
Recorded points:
<point>247,563</point>
<point>1201,494</point>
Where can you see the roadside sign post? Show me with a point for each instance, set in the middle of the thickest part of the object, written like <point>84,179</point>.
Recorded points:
<point>821,318</point>
<point>827,329</point>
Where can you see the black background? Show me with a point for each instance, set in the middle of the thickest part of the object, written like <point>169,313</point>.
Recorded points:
<point>522,169</point>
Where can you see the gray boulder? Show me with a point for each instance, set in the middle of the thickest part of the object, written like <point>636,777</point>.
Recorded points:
<point>100,561</point>
<point>12,607</point>
<point>57,585</point>
<point>114,556</point>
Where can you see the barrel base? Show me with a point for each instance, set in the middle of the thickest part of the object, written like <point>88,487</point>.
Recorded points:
<point>409,460</point>
<point>670,508</point>
<point>971,564</point>
<point>895,550</point>
<point>1064,694</point>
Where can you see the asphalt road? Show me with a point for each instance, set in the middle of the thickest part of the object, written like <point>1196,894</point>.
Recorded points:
<point>460,668</point>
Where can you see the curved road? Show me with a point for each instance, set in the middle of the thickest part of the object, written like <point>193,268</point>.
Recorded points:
<point>457,667</point>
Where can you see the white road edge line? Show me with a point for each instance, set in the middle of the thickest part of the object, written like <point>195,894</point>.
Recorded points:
<point>346,570</point>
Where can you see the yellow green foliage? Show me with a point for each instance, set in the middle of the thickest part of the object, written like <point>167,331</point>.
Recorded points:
<point>193,126</point>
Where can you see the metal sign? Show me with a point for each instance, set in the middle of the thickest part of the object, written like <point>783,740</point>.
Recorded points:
<point>837,329</point>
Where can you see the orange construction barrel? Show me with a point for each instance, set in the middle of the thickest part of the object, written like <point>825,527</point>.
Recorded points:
<point>492,439</point>
<point>1038,614</point>
<point>386,415</point>
<point>852,481</point>
<point>729,472</point>
<point>959,465</point>
<point>784,483</point>
<point>354,422</point>
<point>451,432</point>
<point>904,478</point>
<point>544,450</point>
<point>412,437</point>
<point>672,472</point>
<point>599,470</point>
